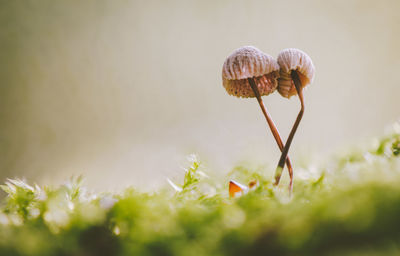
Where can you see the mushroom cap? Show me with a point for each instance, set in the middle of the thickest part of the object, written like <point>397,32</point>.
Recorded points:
<point>237,189</point>
<point>249,62</point>
<point>294,60</point>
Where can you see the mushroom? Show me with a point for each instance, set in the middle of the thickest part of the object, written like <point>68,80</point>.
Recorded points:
<point>250,73</point>
<point>296,72</point>
<point>236,189</point>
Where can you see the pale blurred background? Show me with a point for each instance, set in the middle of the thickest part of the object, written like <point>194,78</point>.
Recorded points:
<point>122,91</point>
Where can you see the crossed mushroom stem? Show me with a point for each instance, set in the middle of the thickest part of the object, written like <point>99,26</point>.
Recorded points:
<point>285,151</point>
<point>276,135</point>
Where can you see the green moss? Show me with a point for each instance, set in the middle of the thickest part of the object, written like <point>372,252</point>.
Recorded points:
<point>348,207</point>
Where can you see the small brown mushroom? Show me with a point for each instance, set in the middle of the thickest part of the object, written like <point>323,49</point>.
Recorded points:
<point>236,189</point>
<point>249,73</point>
<point>296,72</point>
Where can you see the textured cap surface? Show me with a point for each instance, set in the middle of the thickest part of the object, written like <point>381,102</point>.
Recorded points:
<point>249,62</point>
<point>294,60</point>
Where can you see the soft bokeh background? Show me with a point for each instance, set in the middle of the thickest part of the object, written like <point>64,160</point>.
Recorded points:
<point>122,91</point>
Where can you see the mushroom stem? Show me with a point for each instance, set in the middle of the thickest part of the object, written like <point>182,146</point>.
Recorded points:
<point>274,131</point>
<point>299,89</point>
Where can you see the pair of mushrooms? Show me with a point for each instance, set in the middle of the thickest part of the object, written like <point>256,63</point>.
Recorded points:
<point>249,73</point>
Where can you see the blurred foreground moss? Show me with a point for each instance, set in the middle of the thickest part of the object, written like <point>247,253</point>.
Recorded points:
<point>348,206</point>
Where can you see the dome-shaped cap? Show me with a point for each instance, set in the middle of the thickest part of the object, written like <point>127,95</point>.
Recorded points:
<point>294,60</point>
<point>249,62</point>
